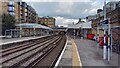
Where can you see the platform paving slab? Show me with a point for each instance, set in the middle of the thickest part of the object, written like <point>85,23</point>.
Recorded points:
<point>66,59</point>
<point>69,58</point>
<point>92,55</point>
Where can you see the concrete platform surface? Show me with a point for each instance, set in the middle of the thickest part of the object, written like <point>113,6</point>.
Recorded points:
<point>92,55</point>
<point>13,40</point>
<point>89,55</point>
<point>70,57</point>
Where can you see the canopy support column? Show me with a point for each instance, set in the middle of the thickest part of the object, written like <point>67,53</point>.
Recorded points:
<point>20,31</point>
<point>34,31</point>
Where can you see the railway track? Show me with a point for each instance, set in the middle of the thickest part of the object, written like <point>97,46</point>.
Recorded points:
<point>27,44</point>
<point>32,54</point>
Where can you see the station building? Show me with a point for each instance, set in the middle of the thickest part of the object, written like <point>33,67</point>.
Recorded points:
<point>81,29</point>
<point>113,13</point>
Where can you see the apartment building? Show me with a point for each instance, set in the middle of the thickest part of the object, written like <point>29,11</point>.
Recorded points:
<point>25,13</point>
<point>21,10</point>
<point>47,21</point>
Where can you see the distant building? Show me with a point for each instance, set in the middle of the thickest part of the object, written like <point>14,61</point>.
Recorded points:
<point>90,18</point>
<point>81,20</point>
<point>47,21</point>
<point>111,6</point>
<point>99,10</point>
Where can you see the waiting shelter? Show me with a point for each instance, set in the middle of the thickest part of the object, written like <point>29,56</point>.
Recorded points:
<point>33,29</point>
<point>9,33</point>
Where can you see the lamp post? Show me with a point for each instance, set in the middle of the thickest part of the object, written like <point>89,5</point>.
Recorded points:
<point>104,49</point>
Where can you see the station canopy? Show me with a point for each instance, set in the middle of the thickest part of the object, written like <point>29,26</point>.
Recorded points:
<point>86,25</point>
<point>32,25</point>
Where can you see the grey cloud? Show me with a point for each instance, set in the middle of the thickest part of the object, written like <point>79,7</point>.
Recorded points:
<point>45,8</point>
<point>63,11</point>
<point>77,9</point>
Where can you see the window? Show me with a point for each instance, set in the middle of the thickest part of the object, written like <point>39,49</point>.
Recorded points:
<point>11,13</point>
<point>11,8</point>
<point>11,2</point>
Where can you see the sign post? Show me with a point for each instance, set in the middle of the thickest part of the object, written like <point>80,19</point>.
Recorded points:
<point>109,41</point>
<point>107,48</point>
<point>105,28</point>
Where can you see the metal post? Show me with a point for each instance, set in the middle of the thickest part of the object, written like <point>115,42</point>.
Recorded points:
<point>11,33</point>
<point>20,31</point>
<point>34,31</point>
<point>74,33</point>
<point>109,42</point>
<point>5,33</point>
<point>105,10</point>
<point>104,50</point>
<point>41,32</point>
<point>74,30</point>
<point>97,35</point>
<point>20,24</point>
<point>81,31</point>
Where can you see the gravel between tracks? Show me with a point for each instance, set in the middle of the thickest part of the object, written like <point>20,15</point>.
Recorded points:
<point>8,61</point>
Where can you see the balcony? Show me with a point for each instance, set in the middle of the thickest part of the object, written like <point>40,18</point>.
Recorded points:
<point>11,13</point>
<point>11,3</point>
<point>11,9</point>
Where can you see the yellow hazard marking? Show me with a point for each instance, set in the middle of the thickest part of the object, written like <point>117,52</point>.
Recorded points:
<point>76,62</point>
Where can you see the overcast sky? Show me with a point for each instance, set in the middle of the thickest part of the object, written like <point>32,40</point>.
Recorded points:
<point>66,11</point>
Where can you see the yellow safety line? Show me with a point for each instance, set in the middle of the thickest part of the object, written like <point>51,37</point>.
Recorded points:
<point>76,62</point>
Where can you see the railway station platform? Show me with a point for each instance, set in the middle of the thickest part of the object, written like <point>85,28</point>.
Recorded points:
<point>92,55</point>
<point>69,56</point>
<point>15,40</point>
<point>85,54</point>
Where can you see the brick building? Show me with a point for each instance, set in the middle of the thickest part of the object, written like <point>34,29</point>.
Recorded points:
<point>47,21</point>
<point>21,10</point>
<point>114,16</point>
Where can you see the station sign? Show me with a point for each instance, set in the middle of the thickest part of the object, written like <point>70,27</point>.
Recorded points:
<point>104,24</point>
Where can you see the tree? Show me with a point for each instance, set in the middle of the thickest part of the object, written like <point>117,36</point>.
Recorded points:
<point>8,22</point>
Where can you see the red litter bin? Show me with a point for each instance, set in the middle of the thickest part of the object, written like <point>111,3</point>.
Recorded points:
<point>101,40</point>
<point>90,36</point>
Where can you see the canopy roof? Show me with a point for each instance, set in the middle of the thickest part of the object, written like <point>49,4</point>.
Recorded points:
<point>32,25</point>
<point>86,25</point>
